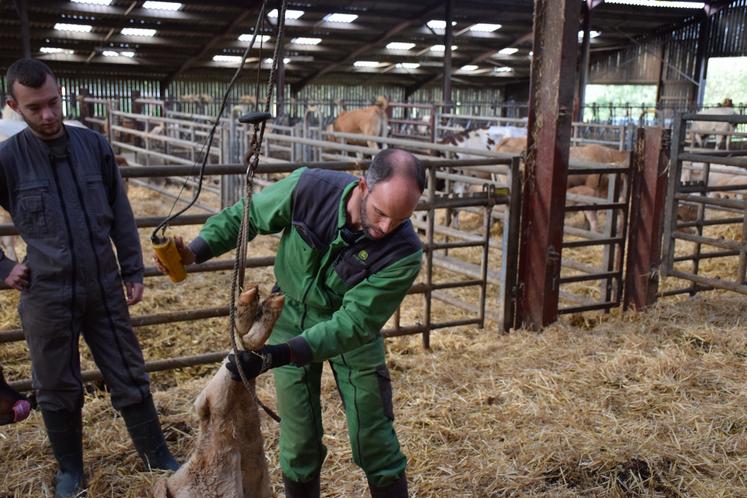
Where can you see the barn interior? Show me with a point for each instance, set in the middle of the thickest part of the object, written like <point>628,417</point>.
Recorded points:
<point>614,367</point>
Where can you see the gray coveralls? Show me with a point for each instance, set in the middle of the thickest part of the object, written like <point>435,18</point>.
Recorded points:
<point>69,210</point>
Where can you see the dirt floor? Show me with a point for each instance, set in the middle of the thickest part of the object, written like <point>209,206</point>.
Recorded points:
<point>634,404</point>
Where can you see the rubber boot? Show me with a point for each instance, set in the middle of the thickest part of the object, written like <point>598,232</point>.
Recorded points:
<point>145,430</point>
<point>295,489</point>
<point>396,489</point>
<point>66,438</point>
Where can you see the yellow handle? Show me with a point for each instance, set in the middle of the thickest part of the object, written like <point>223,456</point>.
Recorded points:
<point>169,256</point>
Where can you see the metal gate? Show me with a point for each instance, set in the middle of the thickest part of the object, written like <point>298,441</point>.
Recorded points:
<point>709,185</point>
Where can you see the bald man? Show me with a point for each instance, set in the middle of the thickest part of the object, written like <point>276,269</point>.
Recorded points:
<point>347,257</point>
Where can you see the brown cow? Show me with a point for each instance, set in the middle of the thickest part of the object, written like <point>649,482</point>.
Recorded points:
<point>228,459</point>
<point>371,120</point>
<point>594,185</point>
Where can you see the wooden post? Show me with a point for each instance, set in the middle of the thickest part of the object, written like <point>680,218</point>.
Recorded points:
<point>552,86</point>
<point>648,198</point>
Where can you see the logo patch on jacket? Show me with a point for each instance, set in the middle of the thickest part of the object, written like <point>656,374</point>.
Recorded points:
<point>362,255</point>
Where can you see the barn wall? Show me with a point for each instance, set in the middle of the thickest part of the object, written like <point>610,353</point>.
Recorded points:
<point>641,63</point>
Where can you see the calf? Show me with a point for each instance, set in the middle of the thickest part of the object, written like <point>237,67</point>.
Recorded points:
<point>371,120</point>
<point>14,406</point>
<point>7,242</point>
<point>228,459</point>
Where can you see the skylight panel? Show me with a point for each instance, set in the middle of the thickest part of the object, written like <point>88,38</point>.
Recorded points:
<point>56,50</point>
<point>441,48</point>
<point>485,27</point>
<point>508,51</point>
<point>248,37</point>
<point>227,58</point>
<point>659,3</point>
<point>367,64</point>
<point>289,14</point>
<point>94,2</point>
<point>286,60</point>
<point>400,45</point>
<point>79,28</point>
<point>469,67</point>
<point>592,34</point>
<point>340,17</point>
<point>408,65</point>
<point>172,6</point>
<point>504,69</point>
<point>438,24</point>
<point>138,32</point>
<point>114,53</point>
<point>306,41</point>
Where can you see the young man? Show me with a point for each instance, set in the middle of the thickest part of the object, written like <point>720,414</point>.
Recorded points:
<point>347,257</point>
<point>63,190</point>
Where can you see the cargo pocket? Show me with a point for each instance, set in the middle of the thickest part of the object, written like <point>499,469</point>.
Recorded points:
<point>33,219</point>
<point>385,390</point>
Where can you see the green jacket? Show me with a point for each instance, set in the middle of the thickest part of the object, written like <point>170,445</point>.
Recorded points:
<point>346,291</point>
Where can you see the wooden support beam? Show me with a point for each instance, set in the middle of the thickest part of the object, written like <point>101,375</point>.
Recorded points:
<point>552,86</point>
<point>648,197</point>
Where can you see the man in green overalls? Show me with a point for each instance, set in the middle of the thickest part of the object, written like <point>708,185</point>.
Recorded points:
<point>347,257</point>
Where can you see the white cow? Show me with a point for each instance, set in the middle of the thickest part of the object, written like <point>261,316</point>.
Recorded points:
<point>702,129</point>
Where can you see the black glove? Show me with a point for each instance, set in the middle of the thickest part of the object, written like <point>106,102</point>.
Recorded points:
<point>254,363</point>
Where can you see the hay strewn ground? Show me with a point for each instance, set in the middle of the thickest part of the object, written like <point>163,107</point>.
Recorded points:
<point>650,404</point>
<point>643,405</point>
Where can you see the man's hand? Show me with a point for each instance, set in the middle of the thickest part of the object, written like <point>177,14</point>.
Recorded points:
<point>19,277</point>
<point>254,363</point>
<point>251,363</point>
<point>185,253</point>
<point>134,292</point>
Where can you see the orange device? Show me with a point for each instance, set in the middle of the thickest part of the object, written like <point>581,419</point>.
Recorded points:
<point>169,256</point>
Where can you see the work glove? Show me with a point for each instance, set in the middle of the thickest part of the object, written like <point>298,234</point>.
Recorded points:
<point>254,363</point>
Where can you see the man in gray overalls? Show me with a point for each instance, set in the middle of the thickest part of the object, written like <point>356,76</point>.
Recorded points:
<point>63,190</point>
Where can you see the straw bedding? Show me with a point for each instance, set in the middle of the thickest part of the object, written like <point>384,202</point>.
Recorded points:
<point>649,404</point>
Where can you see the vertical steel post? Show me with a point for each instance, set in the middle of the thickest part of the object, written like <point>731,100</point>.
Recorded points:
<point>280,111</point>
<point>448,41</point>
<point>23,14</point>
<point>648,191</point>
<point>428,295</point>
<point>675,172</point>
<point>552,86</point>
<point>509,294</point>
<point>583,66</point>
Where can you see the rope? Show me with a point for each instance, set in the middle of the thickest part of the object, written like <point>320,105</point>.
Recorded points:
<point>239,264</point>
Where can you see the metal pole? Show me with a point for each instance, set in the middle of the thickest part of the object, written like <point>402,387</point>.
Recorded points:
<point>23,14</point>
<point>280,111</point>
<point>548,145</point>
<point>448,40</point>
<point>583,67</point>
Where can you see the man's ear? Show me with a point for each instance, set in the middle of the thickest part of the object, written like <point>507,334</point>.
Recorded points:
<point>362,185</point>
<point>12,103</point>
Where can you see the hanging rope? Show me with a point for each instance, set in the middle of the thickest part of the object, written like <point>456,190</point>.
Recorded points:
<point>206,149</point>
<point>252,159</point>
